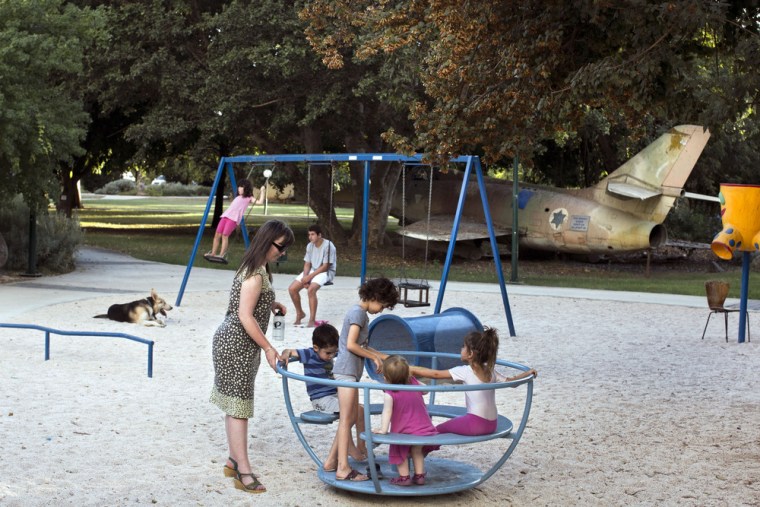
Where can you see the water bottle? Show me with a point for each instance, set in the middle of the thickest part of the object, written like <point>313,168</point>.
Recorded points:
<point>278,326</point>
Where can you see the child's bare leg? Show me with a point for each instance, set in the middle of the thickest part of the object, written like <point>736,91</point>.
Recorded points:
<point>225,244</point>
<point>331,462</point>
<point>215,244</point>
<point>418,458</point>
<point>403,468</point>
<point>361,445</point>
<point>347,397</point>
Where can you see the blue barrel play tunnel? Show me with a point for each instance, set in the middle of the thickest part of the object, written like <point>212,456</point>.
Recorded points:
<point>440,332</point>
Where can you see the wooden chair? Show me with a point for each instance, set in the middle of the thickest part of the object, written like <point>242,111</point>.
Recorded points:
<point>717,291</point>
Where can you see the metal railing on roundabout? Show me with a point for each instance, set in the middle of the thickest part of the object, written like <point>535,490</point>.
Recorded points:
<point>444,475</point>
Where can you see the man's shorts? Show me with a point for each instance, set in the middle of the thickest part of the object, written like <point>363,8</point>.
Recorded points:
<point>320,279</point>
<point>327,404</point>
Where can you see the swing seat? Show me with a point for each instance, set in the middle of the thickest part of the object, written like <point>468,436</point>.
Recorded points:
<point>423,294</point>
<point>218,260</point>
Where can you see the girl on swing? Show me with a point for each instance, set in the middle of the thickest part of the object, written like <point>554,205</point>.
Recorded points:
<point>231,219</point>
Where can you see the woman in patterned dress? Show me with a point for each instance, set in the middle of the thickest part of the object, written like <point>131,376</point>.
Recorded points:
<point>238,345</point>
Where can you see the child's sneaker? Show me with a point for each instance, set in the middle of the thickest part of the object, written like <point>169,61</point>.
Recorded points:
<point>419,479</point>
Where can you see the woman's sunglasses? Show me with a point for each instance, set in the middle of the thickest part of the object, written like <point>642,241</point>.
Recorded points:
<point>280,248</point>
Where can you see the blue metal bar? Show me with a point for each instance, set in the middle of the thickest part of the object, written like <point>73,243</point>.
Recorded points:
<point>453,239</point>
<point>370,440</point>
<point>335,157</point>
<point>294,419</point>
<point>365,220</point>
<point>744,293</point>
<point>199,236</point>
<point>49,330</point>
<point>494,246</point>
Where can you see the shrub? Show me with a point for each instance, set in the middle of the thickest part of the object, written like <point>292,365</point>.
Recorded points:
<point>692,223</point>
<point>118,187</point>
<point>58,238</point>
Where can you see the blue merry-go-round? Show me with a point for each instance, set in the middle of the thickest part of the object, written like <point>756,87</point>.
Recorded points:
<point>432,340</point>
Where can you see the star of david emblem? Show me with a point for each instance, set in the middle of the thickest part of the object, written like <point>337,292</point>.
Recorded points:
<point>558,217</point>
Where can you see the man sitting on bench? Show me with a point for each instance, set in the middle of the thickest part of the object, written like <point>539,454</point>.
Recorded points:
<point>318,270</point>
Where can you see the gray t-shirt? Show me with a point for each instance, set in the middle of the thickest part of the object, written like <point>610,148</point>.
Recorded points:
<point>321,255</point>
<point>348,363</point>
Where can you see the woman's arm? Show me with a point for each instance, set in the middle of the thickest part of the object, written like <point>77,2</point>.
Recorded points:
<point>249,296</point>
<point>419,371</point>
<point>385,419</point>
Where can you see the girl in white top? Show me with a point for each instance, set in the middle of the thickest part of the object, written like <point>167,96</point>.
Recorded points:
<point>479,352</point>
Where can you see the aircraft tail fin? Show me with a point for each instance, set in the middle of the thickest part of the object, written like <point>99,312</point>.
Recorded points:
<point>648,184</point>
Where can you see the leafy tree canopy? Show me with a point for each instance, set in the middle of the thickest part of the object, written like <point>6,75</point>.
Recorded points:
<point>510,77</point>
<point>42,119</point>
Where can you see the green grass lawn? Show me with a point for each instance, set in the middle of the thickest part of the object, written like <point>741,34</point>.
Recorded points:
<point>164,229</point>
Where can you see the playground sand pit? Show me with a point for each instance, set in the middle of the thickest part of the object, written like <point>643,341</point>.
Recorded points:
<point>630,408</point>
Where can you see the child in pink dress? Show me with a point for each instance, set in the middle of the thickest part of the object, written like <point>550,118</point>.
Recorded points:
<point>405,412</point>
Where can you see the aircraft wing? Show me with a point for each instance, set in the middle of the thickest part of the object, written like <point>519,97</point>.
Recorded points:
<point>440,229</point>
<point>628,190</point>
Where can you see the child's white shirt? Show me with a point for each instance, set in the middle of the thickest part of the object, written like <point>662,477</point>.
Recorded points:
<point>481,403</point>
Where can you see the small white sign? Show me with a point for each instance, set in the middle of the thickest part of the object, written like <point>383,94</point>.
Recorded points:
<point>579,223</point>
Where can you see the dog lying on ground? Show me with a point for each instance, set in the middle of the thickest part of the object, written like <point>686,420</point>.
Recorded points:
<point>143,311</point>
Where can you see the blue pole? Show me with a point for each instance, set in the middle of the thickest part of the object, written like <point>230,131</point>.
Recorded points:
<point>453,239</point>
<point>219,173</point>
<point>743,301</point>
<point>365,221</point>
<point>47,345</point>
<point>494,246</point>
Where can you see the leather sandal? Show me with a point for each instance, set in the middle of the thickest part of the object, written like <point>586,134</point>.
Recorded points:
<point>231,471</point>
<point>253,487</point>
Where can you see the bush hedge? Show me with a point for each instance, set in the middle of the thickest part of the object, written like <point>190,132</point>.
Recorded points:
<point>58,238</point>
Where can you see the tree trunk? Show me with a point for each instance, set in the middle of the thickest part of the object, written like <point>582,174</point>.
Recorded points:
<point>383,179</point>
<point>70,197</point>
<point>321,190</point>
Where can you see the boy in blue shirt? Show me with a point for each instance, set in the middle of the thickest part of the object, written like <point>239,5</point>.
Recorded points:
<point>318,362</point>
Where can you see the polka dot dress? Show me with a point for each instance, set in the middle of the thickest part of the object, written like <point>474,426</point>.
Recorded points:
<point>236,355</point>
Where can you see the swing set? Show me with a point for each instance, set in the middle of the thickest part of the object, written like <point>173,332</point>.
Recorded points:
<point>472,164</point>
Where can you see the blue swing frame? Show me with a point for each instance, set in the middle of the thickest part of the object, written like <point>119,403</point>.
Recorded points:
<point>471,163</point>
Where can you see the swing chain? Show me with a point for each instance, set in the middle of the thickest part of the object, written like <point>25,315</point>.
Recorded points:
<point>427,232</point>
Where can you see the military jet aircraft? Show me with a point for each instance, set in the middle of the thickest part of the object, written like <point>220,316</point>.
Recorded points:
<point>622,213</point>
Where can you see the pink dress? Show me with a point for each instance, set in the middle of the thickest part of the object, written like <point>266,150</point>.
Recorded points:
<point>410,417</point>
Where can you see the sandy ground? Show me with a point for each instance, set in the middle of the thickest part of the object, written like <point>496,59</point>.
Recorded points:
<point>630,407</point>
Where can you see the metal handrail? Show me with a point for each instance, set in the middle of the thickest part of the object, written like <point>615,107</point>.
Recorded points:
<point>49,330</point>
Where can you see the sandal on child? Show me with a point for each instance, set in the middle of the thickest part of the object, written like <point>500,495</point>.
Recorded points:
<point>419,479</point>
<point>402,480</point>
<point>254,487</point>
<point>231,471</point>
<point>353,476</point>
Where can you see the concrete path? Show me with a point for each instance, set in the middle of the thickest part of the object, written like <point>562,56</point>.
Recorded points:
<point>102,272</point>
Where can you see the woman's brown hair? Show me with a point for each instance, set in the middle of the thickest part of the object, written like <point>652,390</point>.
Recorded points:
<point>484,348</point>
<point>256,255</point>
